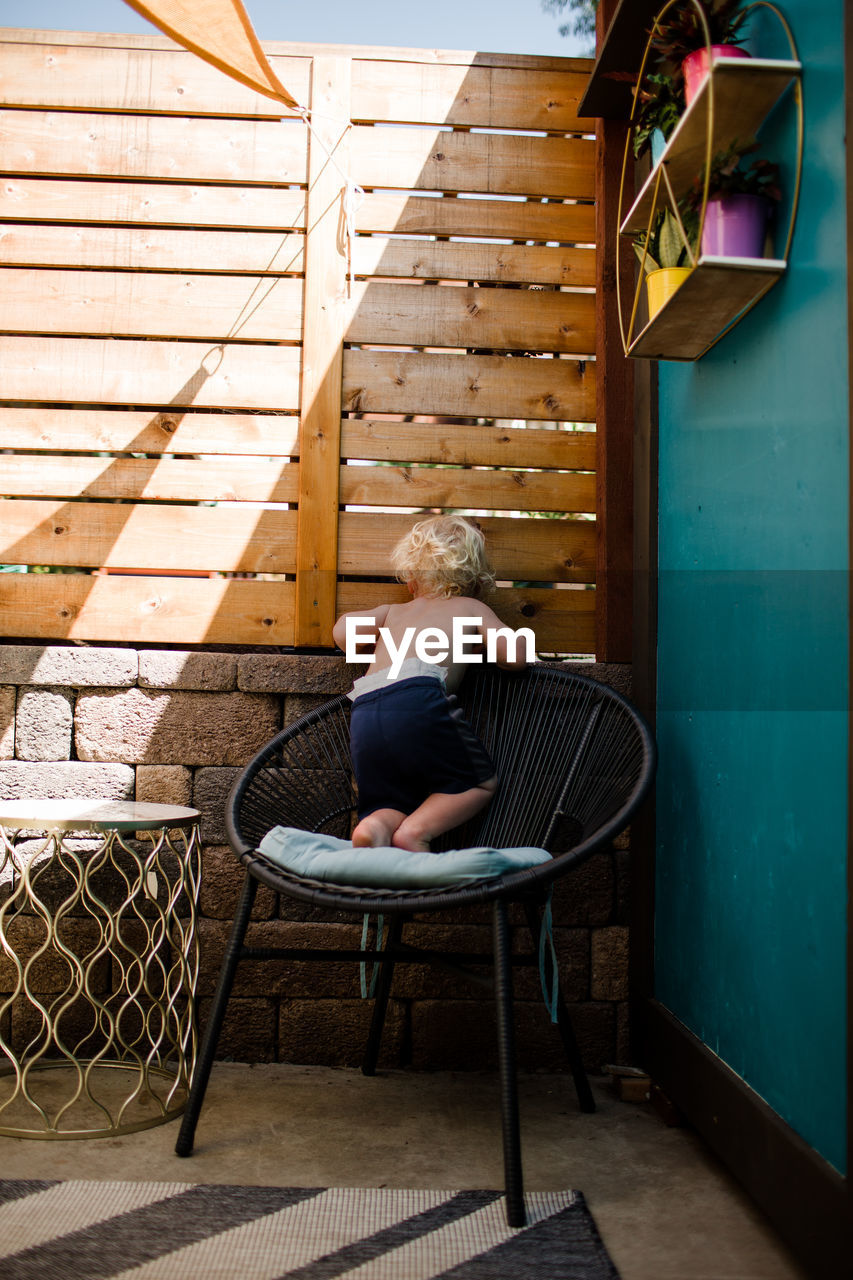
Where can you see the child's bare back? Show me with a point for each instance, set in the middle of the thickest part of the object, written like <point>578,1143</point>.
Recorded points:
<point>441,627</point>
<point>419,766</point>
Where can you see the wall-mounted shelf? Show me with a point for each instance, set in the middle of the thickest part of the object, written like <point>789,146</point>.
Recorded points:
<point>611,84</point>
<point>712,298</point>
<point>732,104</point>
<point>745,90</point>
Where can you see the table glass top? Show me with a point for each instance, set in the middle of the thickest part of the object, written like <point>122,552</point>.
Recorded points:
<point>95,815</point>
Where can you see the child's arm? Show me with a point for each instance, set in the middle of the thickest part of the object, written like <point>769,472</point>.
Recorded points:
<point>511,656</point>
<point>366,636</point>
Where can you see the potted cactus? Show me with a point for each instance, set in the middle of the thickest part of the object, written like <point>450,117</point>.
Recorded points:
<point>679,38</point>
<point>665,257</point>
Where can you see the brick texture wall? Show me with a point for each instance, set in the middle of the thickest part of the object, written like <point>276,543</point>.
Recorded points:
<point>175,728</point>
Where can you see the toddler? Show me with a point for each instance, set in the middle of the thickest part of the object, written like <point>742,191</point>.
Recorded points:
<point>420,768</point>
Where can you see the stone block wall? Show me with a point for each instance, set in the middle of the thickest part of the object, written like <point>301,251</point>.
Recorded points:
<point>175,728</point>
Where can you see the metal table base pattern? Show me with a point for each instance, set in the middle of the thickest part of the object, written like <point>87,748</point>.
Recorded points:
<point>99,959</point>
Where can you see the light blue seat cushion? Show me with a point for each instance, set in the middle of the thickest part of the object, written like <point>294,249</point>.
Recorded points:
<point>322,857</point>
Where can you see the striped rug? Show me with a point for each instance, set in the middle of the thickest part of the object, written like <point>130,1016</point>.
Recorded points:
<point>78,1230</point>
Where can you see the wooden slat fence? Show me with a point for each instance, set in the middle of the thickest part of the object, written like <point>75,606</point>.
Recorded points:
<point>196,395</point>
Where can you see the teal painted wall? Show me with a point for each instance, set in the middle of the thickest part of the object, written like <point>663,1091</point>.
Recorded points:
<point>752,653</point>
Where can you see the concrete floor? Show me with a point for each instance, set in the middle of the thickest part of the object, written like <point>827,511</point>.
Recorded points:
<point>664,1206</point>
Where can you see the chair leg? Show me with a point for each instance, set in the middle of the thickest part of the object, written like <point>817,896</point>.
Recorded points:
<point>586,1101</point>
<point>513,1176</point>
<point>201,1074</point>
<point>383,992</point>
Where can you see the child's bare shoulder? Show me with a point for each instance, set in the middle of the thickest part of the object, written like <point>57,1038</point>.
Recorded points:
<point>470,607</point>
<point>464,606</point>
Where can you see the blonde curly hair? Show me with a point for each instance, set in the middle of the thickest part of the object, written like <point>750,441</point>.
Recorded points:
<point>445,556</point>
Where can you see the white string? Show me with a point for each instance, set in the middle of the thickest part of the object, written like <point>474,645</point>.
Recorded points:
<point>352,195</point>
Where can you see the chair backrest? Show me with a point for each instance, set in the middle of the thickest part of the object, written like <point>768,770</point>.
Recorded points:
<point>573,757</point>
<point>570,753</point>
<point>301,778</point>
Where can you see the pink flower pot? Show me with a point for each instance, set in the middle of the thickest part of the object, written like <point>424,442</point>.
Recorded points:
<point>735,227</point>
<point>695,66</point>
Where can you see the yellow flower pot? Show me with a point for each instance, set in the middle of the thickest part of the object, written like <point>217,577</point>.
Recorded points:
<point>662,284</point>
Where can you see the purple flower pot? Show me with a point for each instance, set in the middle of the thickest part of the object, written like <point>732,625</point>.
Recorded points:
<point>735,227</point>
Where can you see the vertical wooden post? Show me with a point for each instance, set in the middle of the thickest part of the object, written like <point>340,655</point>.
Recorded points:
<point>848,105</point>
<point>324,322</point>
<point>614,400</point>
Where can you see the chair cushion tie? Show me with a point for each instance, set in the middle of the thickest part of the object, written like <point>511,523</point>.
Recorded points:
<point>368,989</point>
<point>550,990</point>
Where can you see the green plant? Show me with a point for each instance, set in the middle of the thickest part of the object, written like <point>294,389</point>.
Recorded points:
<point>665,246</point>
<point>730,177</point>
<point>681,30</point>
<point>661,100</point>
<point>582,13</point>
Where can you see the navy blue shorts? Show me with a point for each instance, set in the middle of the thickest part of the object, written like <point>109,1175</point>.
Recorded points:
<point>409,740</point>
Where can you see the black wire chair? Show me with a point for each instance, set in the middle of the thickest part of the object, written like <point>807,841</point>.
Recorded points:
<point>575,760</point>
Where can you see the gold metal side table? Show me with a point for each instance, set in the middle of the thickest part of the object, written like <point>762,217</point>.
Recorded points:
<point>98,966</point>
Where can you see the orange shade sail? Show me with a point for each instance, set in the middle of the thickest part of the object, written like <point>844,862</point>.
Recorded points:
<point>220,32</point>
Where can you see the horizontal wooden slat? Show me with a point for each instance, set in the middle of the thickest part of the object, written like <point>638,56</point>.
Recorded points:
<point>101,370</point>
<point>173,81</point>
<point>503,319</point>
<point>236,479</point>
<point>563,621</point>
<point>479,489</point>
<point>80,200</point>
<point>556,220</point>
<point>469,386</point>
<point>163,610</point>
<point>135,304</point>
<point>268,435</point>
<point>293,49</point>
<point>247,308</point>
<point>176,82</point>
<point>529,549</point>
<point>473,96</point>
<point>176,374</point>
<point>147,536</point>
<point>124,146</point>
<point>164,479</point>
<point>126,431</point>
<point>502,164</point>
<point>149,203</point>
<point>498,446</point>
<point>454,260</point>
<point>147,610</point>
<point>142,249</point>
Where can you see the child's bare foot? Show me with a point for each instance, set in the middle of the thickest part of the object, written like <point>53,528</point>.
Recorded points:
<point>410,844</point>
<point>441,812</point>
<point>369,835</point>
<point>377,829</point>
